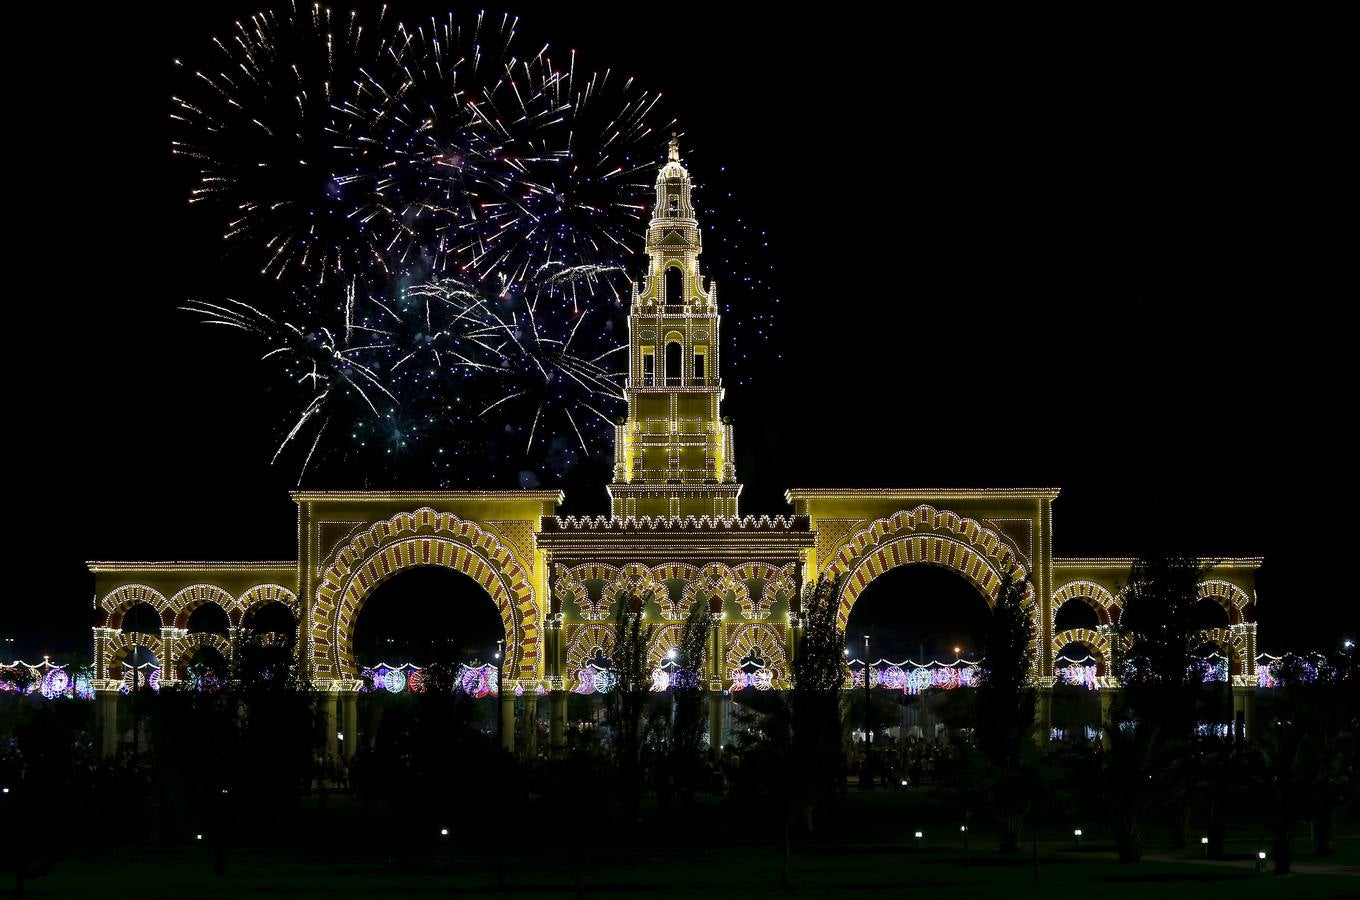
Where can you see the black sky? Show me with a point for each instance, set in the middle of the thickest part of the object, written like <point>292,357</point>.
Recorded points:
<point>1108,255</point>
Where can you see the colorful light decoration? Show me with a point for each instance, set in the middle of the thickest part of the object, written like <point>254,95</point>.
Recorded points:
<point>45,679</point>
<point>595,680</point>
<point>392,680</point>
<point>479,681</point>
<point>761,679</point>
<point>55,683</point>
<point>1077,674</point>
<point>913,678</point>
<point>149,677</point>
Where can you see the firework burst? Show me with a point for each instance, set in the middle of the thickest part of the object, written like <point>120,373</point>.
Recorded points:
<point>257,121</point>
<point>451,222</point>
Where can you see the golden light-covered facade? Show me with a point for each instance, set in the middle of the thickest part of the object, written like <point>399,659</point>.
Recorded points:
<point>674,540</point>
<point>673,454</point>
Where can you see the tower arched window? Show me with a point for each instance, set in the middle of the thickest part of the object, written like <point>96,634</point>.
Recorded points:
<point>675,286</point>
<point>673,208</point>
<point>674,362</point>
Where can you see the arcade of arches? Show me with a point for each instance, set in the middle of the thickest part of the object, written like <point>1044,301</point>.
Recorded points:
<point>674,539</point>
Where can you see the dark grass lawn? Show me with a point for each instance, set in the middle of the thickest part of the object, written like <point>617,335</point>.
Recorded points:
<point>872,853</point>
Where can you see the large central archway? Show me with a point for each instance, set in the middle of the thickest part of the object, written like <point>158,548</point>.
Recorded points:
<point>420,538</point>
<point>933,537</point>
<point>427,615</point>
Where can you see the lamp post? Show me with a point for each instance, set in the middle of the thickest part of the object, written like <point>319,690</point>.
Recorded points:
<point>866,780</point>
<point>500,691</point>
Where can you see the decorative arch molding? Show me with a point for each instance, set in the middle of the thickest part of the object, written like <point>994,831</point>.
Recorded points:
<point>121,644</point>
<point>262,595</point>
<point>570,585</point>
<point>188,599</point>
<point>634,578</point>
<point>1228,595</point>
<point>1096,643</point>
<point>1098,597</point>
<point>118,601</point>
<point>671,608</point>
<point>675,571</point>
<point>931,536</point>
<point>584,642</point>
<point>662,639</point>
<point>780,584</point>
<point>185,648</point>
<point>1234,646</point>
<point>420,538</point>
<point>714,580</point>
<point>765,640</point>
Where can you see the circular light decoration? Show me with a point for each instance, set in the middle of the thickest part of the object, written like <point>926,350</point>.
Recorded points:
<point>661,679</point>
<point>605,681</point>
<point>393,680</point>
<point>762,679</point>
<point>945,678</point>
<point>585,681</point>
<point>893,678</point>
<point>684,679</point>
<point>415,681</point>
<point>479,681</point>
<point>739,680</point>
<point>55,683</point>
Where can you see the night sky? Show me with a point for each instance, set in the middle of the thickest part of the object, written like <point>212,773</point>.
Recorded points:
<point>1101,255</point>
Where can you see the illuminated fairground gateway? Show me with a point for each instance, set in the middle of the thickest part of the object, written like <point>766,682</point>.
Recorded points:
<point>674,539</point>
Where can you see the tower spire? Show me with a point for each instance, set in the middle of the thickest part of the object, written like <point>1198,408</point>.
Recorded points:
<point>673,453</point>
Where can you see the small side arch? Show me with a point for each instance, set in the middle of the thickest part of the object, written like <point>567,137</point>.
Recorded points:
<point>188,599</point>
<point>118,601</point>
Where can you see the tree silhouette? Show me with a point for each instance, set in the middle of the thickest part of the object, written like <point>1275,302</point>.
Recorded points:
<point>818,677</point>
<point>1005,712</point>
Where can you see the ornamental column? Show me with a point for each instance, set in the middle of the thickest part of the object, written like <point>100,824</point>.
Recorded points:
<point>507,697</point>
<point>349,718</point>
<point>1109,699</point>
<point>557,695</point>
<point>1043,708</point>
<point>1244,707</point>
<point>716,700</point>
<point>557,719</point>
<point>171,639</point>
<point>329,703</point>
<point>106,692</point>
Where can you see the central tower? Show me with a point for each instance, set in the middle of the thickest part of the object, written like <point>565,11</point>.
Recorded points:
<point>673,453</point>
